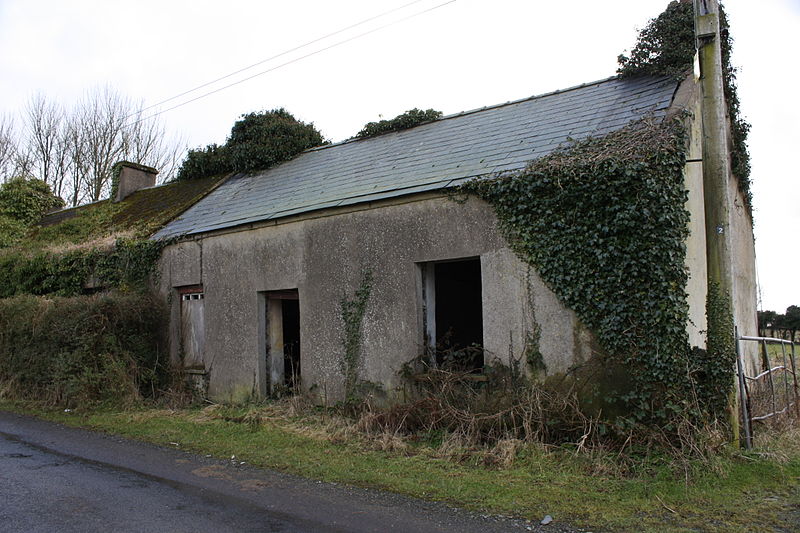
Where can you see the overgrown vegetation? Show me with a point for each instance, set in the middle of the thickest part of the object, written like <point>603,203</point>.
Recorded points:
<point>409,119</point>
<point>352,314</point>
<point>257,142</point>
<point>82,349</point>
<point>22,203</point>
<point>666,46</point>
<point>604,224</point>
<point>482,410</point>
<point>717,367</point>
<point>128,263</point>
<point>60,345</point>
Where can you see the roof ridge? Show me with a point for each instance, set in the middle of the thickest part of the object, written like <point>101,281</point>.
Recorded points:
<point>498,138</point>
<point>472,112</point>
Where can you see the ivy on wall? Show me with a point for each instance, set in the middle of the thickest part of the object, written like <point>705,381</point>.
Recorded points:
<point>666,46</point>
<point>352,314</point>
<point>604,224</point>
<point>128,264</point>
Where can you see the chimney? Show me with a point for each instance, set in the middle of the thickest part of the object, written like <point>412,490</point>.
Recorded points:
<point>130,177</point>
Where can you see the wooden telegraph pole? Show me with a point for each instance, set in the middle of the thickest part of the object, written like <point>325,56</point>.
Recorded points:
<point>717,175</point>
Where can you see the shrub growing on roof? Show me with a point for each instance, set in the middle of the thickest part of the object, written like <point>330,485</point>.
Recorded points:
<point>260,140</point>
<point>22,202</point>
<point>666,46</point>
<point>409,119</point>
<point>257,141</point>
<point>26,200</point>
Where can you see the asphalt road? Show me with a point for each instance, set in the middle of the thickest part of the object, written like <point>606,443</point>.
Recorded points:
<point>55,478</point>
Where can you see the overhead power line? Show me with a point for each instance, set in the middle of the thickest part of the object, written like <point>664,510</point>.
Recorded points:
<point>295,60</point>
<point>300,47</point>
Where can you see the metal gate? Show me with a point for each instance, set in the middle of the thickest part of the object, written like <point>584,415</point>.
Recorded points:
<point>772,392</point>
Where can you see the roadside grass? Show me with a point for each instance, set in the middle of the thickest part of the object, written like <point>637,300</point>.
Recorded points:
<point>732,491</point>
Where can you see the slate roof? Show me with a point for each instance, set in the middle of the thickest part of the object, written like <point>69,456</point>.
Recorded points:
<point>431,156</point>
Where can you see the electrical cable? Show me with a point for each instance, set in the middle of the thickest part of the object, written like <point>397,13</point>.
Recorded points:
<point>226,76</point>
<point>349,39</point>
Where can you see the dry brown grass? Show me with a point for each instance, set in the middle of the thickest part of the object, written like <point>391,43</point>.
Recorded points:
<point>99,243</point>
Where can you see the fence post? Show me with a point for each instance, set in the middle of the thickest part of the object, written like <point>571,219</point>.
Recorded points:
<point>794,377</point>
<point>742,393</point>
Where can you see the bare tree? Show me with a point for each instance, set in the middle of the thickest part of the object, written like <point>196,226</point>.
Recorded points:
<point>8,147</point>
<point>74,150</point>
<point>111,129</point>
<point>42,121</point>
<point>46,123</point>
<point>100,117</point>
<point>147,142</point>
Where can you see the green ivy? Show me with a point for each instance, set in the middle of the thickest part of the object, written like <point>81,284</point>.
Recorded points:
<point>604,224</point>
<point>352,315</point>
<point>127,265</point>
<point>26,200</point>
<point>666,46</point>
<point>409,119</point>
<point>715,367</point>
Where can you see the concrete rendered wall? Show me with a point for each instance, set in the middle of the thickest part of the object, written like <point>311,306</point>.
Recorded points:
<point>743,256</point>
<point>323,256</point>
<point>696,287</point>
<point>741,233</point>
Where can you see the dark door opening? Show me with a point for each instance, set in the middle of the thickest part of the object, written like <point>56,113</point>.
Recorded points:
<point>455,313</point>
<point>283,340</point>
<point>291,342</point>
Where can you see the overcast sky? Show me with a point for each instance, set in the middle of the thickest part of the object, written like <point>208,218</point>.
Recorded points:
<point>462,55</point>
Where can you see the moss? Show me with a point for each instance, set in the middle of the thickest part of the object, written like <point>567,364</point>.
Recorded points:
<point>139,215</point>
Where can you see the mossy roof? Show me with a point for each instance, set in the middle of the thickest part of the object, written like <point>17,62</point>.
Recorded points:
<point>142,213</point>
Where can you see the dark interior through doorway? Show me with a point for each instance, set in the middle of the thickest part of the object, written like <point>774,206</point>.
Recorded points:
<point>458,314</point>
<point>291,342</point>
<point>282,330</point>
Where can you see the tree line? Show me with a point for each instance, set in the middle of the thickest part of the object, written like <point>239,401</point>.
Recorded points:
<point>784,325</point>
<point>73,149</point>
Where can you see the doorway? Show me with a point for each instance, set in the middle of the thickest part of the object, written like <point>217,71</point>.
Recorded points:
<point>283,348</point>
<point>453,318</point>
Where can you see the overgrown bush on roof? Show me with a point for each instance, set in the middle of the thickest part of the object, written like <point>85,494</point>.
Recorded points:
<point>23,201</point>
<point>409,119</point>
<point>666,47</point>
<point>257,142</point>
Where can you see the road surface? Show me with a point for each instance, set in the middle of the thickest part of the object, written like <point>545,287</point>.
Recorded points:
<point>56,478</point>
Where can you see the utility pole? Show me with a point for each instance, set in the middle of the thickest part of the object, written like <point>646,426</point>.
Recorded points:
<point>717,175</point>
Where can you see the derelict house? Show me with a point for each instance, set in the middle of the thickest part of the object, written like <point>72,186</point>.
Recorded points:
<point>258,269</point>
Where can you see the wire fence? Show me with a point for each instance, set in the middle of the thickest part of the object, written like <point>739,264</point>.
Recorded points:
<point>774,391</point>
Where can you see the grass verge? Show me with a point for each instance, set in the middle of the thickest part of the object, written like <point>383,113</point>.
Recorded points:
<point>735,492</point>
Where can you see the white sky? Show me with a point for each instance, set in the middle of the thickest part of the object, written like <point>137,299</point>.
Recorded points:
<point>466,54</point>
